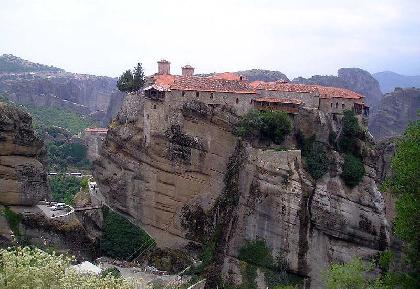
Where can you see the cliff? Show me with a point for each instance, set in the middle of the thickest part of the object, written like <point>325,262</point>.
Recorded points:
<point>23,178</point>
<point>355,79</point>
<point>194,183</point>
<point>395,111</point>
<point>39,85</point>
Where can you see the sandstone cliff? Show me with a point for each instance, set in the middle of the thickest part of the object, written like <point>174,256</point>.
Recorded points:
<point>25,82</point>
<point>396,110</point>
<point>23,178</point>
<point>195,181</point>
<point>355,79</point>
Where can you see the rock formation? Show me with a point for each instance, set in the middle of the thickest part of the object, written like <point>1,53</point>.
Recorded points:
<point>355,79</point>
<point>396,110</point>
<point>23,178</point>
<point>198,182</point>
<point>35,84</point>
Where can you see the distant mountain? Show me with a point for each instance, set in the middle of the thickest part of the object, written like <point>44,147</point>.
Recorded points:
<point>389,80</point>
<point>395,111</point>
<point>28,83</point>
<point>13,64</point>
<point>263,75</point>
<point>355,79</point>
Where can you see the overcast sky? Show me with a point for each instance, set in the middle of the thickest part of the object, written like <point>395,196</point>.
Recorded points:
<point>105,37</point>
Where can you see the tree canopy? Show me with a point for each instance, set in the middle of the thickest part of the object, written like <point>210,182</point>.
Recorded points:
<point>131,81</point>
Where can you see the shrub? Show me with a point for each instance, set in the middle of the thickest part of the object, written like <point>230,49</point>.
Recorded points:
<point>256,252</point>
<point>14,220</point>
<point>266,125</point>
<point>315,155</point>
<point>351,131</point>
<point>34,268</point>
<point>64,188</point>
<point>353,170</point>
<point>112,271</point>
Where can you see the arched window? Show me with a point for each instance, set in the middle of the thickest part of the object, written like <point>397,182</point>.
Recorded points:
<point>237,100</point>
<point>336,105</point>
<point>147,116</point>
<point>342,105</point>
<point>154,106</point>
<point>183,93</point>
<point>197,94</point>
<point>331,104</point>
<point>211,95</point>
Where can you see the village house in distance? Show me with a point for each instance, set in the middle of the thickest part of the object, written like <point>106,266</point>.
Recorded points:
<point>234,90</point>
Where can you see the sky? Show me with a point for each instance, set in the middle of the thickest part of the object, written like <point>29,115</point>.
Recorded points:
<point>298,38</point>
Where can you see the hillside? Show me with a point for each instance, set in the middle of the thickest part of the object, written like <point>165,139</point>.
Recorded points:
<point>39,85</point>
<point>262,74</point>
<point>389,80</point>
<point>396,110</point>
<point>13,64</point>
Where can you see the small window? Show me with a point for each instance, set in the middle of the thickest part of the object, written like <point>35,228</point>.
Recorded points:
<point>331,104</point>
<point>183,93</point>
<point>154,106</point>
<point>342,106</point>
<point>336,105</point>
<point>211,95</point>
<point>197,94</point>
<point>237,100</point>
<point>147,116</point>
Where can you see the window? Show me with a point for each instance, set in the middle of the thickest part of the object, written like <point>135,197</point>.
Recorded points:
<point>331,104</point>
<point>154,106</point>
<point>211,95</point>
<point>237,100</point>
<point>336,105</point>
<point>147,116</point>
<point>183,93</point>
<point>342,106</point>
<point>197,94</point>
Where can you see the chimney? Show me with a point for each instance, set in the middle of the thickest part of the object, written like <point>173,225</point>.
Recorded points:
<point>164,67</point>
<point>187,70</point>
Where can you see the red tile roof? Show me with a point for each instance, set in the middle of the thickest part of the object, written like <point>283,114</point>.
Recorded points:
<point>230,82</point>
<point>279,100</point>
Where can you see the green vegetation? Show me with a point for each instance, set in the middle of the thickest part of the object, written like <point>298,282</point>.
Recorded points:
<point>22,268</point>
<point>12,64</point>
<point>113,271</point>
<point>265,125</point>
<point>63,155</point>
<point>14,220</point>
<point>64,188</point>
<point>348,143</point>
<point>405,186</point>
<point>352,275</point>
<point>255,254</point>
<point>314,154</point>
<point>46,117</point>
<point>353,170</point>
<point>351,131</point>
<point>131,81</point>
<point>121,239</point>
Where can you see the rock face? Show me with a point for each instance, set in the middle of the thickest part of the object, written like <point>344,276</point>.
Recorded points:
<point>196,180</point>
<point>355,79</point>
<point>395,112</point>
<point>23,178</point>
<point>389,80</point>
<point>263,75</point>
<point>25,82</point>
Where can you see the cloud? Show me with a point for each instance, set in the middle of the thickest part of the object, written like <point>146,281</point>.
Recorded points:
<point>295,37</point>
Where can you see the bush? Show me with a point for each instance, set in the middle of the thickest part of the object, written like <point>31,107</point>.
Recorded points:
<point>112,271</point>
<point>257,253</point>
<point>33,268</point>
<point>315,155</point>
<point>120,238</point>
<point>266,125</point>
<point>353,170</point>
<point>351,131</point>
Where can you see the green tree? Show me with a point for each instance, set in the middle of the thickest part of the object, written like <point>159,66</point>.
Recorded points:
<point>138,77</point>
<point>125,82</point>
<point>405,185</point>
<point>353,170</point>
<point>22,268</point>
<point>351,131</point>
